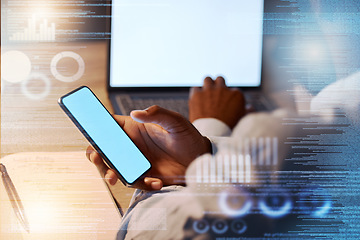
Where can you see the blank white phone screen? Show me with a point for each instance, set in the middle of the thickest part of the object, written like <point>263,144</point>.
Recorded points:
<point>107,134</point>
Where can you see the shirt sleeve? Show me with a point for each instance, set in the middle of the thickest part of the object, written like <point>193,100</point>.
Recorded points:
<point>160,214</point>
<point>211,127</point>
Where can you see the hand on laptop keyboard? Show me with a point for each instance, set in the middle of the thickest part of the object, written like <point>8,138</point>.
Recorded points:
<point>216,100</point>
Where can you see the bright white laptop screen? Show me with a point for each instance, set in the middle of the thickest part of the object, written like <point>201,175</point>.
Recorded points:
<point>169,43</point>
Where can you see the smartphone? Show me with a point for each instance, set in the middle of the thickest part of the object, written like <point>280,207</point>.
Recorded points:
<point>105,134</point>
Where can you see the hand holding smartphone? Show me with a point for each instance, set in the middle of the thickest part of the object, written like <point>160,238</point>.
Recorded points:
<point>105,134</point>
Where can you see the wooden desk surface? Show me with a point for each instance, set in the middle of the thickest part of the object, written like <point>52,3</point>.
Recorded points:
<point>31,120</point>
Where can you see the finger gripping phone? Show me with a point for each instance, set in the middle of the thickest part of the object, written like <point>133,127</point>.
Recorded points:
<point>105,134</point>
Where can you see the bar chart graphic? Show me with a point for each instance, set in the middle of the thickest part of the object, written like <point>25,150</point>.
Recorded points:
<point>224,169</point>
<point>37,30</point>
<point>236,164</point>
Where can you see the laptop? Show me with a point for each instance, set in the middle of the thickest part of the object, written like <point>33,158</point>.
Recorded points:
<point>159,49</point>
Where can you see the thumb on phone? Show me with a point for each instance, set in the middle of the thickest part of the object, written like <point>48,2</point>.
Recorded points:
<point>168,120</point>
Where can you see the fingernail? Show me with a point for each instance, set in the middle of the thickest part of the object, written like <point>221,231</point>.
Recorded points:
<point>135,111</point>
<point>156,185</point>
<point>91,155</point>
<point>138,111</point>
<point>109,179</point>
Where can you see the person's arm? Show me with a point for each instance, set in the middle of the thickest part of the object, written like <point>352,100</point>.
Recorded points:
<point>215,109</point>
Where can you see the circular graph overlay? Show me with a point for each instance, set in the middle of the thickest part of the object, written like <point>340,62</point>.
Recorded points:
<point>15,66</point>
<point>72,55</point>
<point>35,77</point>
<point>234,205</point>
<point>219,226</point>
<point>201,226</point>
<point>276,204</point>
<point>238,226</point>
<point>315,203</point>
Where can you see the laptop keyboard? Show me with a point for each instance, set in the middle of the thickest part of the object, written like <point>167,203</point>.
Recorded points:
<point>127,104</point>
<point>257,102</point>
